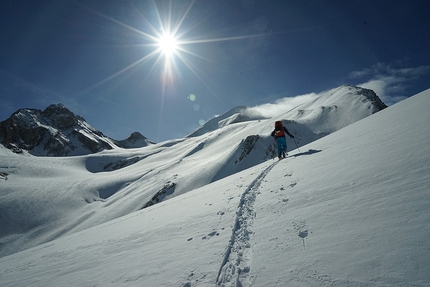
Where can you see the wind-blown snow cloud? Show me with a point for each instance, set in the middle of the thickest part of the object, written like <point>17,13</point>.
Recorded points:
<point>283,105</point>
<point>388,82</point>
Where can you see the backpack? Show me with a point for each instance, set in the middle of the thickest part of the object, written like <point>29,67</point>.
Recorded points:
<point>279,129</point>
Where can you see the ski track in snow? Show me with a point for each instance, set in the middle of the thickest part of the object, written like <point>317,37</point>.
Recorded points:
<point>236,265</point>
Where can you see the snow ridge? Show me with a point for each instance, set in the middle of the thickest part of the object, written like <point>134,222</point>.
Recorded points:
<point>236,265</point>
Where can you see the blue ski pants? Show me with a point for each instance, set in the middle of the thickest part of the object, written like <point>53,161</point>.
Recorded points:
<point>281,142</point>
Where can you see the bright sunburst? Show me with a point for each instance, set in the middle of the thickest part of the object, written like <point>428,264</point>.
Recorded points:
<point>169,44</point>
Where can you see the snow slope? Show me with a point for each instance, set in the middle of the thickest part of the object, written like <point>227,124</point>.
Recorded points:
<point>350,209</point>
<point>46,198</point>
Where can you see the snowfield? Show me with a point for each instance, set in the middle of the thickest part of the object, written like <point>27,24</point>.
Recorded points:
<point>349,209</point>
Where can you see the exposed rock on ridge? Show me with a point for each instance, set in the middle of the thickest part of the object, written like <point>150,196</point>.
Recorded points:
<point>57,131</point>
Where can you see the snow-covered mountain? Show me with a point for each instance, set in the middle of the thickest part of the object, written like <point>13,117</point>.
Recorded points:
<point>350,209</point>
<point>96,188</point>
<point>56,131</point>
<point>336,109</point>
<point>327,112</point>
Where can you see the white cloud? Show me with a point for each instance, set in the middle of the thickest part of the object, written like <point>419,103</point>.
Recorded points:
<point>388,82</point>
<point>283,105</point>
<point>387,88</point>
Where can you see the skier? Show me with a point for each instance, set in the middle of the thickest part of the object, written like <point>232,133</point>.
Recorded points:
<point>279,136</point>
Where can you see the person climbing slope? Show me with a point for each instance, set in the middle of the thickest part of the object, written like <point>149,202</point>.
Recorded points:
<point>279,136</point>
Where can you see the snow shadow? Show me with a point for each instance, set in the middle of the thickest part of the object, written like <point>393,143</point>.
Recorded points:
<point>168,189</point>
<point>96,164</point>
<point>199,147</point>
<point>171,143</point>
<point>309,152</point>
<point>108,191</point>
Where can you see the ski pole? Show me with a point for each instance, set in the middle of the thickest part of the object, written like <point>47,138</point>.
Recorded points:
<point>296,144</point>
<point>274,147</point>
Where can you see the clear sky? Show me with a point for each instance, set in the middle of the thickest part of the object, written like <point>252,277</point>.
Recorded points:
<point>105,60</point>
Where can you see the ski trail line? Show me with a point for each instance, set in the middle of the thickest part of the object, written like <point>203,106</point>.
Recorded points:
<point>236,265</point>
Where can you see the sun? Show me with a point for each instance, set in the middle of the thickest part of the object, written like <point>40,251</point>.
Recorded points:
<point>167,44</point>
<point>167,36</point>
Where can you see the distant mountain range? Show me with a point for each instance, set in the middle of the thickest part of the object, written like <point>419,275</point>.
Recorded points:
<point>56,131</point>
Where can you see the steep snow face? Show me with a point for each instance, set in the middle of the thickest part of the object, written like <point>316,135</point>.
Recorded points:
<point>327,113</point>
<point>350,209</point>
<point>336,109</point>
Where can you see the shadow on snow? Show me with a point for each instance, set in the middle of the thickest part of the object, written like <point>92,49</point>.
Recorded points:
<point>309,152</point>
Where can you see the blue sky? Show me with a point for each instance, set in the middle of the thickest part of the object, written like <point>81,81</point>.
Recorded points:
<point>100,58</point>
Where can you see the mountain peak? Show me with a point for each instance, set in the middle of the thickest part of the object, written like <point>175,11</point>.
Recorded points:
<point>57,109</point>
<point>326,113</point>
<point>336,108</point>
<point>135,140</point>
<point>56,131</point>
<point>57,106</point>
<point>369,94</point>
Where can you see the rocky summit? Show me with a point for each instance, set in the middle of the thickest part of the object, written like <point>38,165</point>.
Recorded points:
<point>56,131</point>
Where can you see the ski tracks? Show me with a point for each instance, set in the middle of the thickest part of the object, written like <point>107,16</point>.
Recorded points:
<point>236,265</point>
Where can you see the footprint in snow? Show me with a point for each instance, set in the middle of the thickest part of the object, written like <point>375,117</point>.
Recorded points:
<point>213,233</point>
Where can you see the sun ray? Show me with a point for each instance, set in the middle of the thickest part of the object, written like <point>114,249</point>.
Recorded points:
<point>184,16</point>
<point>193,70</point>
<point>186,51</point>
<point>202,41</point>
<point>121,71</point>
<point>154,38</point>
<point>168,43</point>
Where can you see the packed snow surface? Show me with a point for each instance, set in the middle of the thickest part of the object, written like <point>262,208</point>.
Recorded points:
<point>350,209</point>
